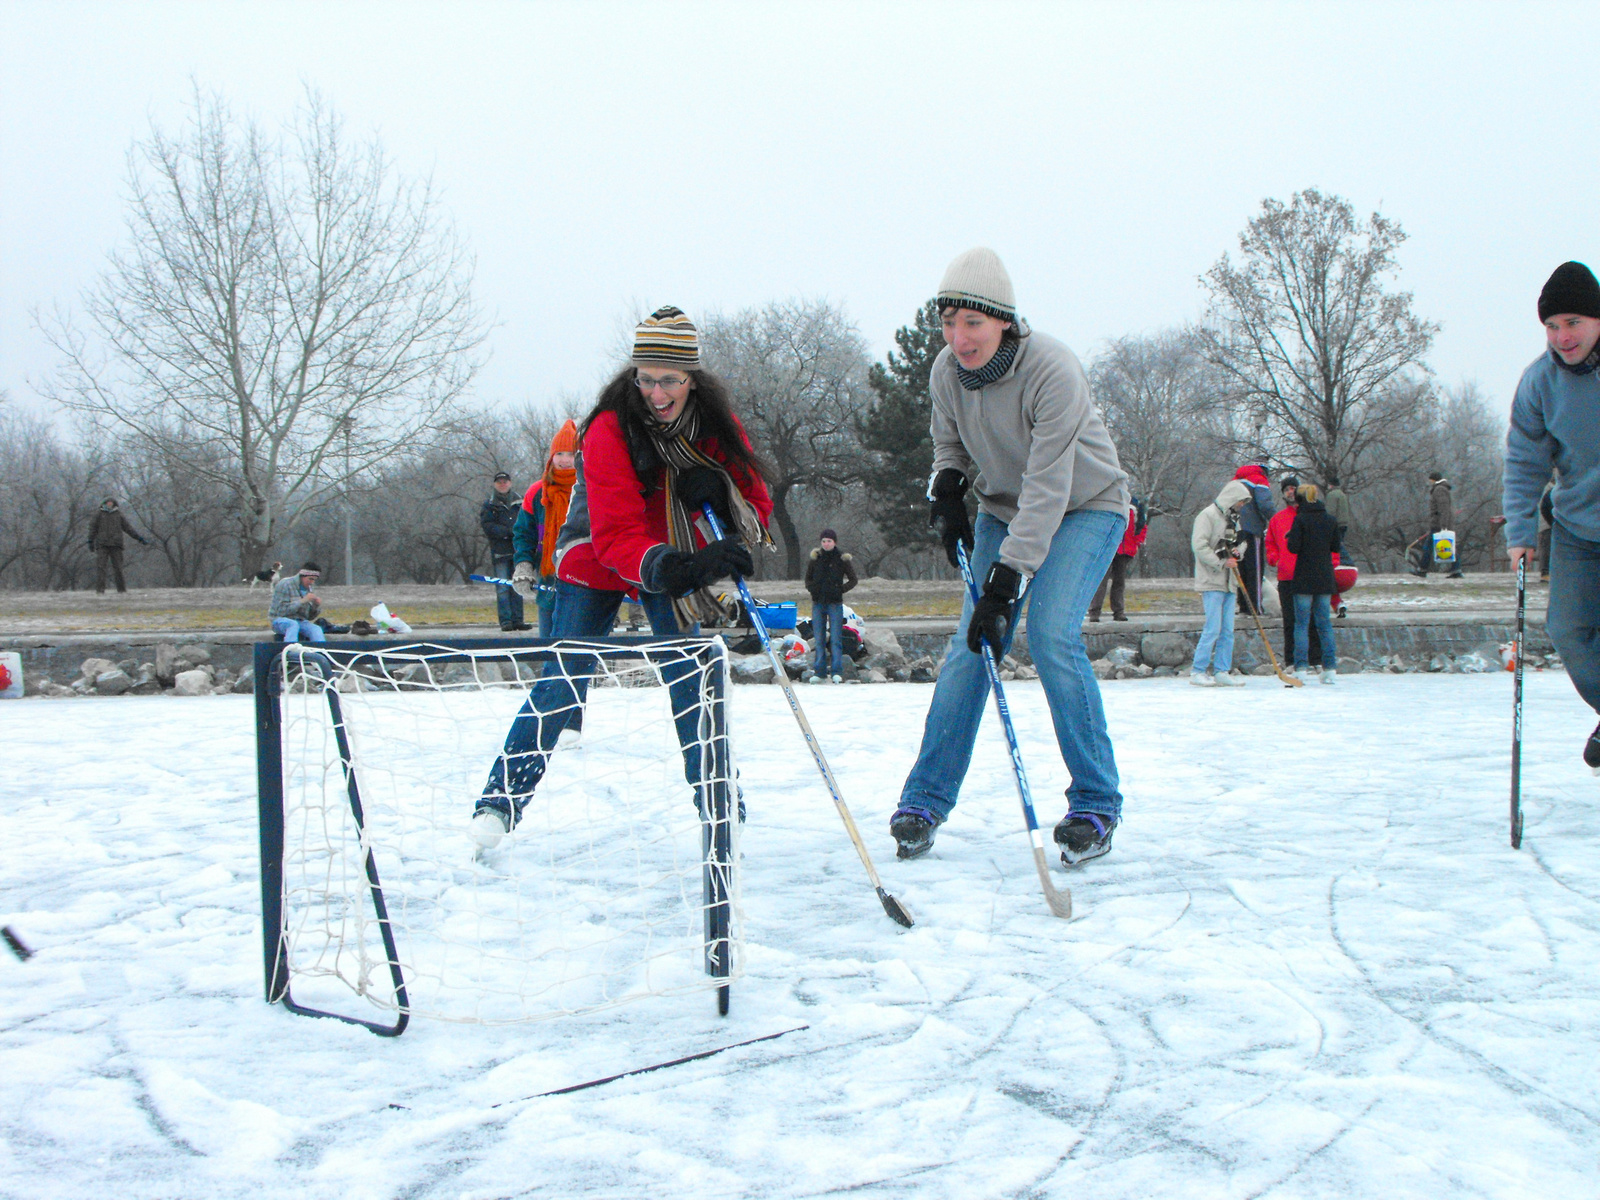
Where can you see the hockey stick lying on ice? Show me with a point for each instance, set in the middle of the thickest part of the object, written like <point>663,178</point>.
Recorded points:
<point>1060,902</point>
<point>1288,680</point>
<point>896,909</point>
<point>1516,710</point>
<point>538,587</point>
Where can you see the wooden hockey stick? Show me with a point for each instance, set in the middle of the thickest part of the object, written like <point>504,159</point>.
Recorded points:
<point>896,909</point>
<point>1288,680</point>
<point>1060,902</point>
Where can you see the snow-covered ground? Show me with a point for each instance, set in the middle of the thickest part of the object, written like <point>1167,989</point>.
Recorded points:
<point>1311,967</point>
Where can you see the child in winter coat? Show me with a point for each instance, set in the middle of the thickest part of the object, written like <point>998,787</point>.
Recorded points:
<point>1116,578</point>
<point>829,575</point>
<point>1217,541</point>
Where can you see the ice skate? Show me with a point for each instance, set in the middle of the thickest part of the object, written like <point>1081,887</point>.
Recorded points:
<point>912,830</point>
<point>488,827</point>
<point>1591,751</point>
<point>570,738</point>
<point>1082,836</point>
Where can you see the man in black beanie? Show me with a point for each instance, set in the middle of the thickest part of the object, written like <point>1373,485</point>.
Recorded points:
<point>1553,425</point>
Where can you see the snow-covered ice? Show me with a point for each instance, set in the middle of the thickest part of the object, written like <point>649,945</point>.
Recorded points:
<point>1311,967</point>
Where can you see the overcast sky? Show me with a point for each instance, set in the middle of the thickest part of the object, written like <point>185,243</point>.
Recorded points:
<point>601,157</point>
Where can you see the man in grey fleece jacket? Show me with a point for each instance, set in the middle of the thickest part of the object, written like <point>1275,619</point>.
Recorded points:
<point>1014,422</point>
<point>1555,422</point>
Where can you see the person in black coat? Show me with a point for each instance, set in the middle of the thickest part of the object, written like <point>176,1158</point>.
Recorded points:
<point>829,575</point>
<point>1313,540</point>
<point>498,518</point>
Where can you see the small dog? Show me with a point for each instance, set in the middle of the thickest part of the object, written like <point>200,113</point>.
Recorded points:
<point>268,577</point>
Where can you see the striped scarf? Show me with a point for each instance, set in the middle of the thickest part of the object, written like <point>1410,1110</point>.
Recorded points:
<point>997,366</point>
<point>675,443</point>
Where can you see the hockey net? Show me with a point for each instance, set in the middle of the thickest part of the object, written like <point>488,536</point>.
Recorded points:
<point>618,882</point>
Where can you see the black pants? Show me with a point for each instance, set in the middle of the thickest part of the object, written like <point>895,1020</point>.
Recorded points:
<point>1286,600</point>
<point>1250,572</point>
<point>112,555</point>
<point>1117,580</point>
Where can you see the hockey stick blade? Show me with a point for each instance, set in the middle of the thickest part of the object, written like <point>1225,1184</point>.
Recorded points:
<point>1060,902</point>
<point>897,911</point>
<point>18,947</point>
<point>538,587</point>
<point>1288,680</point>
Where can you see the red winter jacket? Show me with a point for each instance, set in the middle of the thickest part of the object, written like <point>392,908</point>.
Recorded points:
<point>1131,541</point>
<point>1277,540</point>
<point>628,517</point>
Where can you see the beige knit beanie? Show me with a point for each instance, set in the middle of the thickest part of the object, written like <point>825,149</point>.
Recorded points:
<point>978,280</point>
<point>666,338</point>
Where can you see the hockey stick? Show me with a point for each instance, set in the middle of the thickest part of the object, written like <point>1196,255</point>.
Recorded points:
<point>1516,709</point>
<point>1288,680</point>
<point>18,946</point>
<point>896,909</point>
<point>538,587</point>
<point>1060,902</point>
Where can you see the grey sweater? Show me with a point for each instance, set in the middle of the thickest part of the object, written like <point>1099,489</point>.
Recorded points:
<point>1555,422</point>
<point>1032,443</point>
<point>288,600</point>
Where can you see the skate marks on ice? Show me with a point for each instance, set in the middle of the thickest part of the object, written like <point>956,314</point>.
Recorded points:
<point>1307,969</point>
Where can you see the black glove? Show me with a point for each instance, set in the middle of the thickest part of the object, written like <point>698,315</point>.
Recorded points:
<point>678,574</point>
<point>702,485</point>
<point>949,514</point>
<point>991,615</point>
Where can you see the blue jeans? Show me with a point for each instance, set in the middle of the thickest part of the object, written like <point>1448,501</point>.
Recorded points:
<point>1573,618</point>
<point>557,699</point>
<point>1214,652</point>
<point>546,602</point>
<point>827,621</point>
<point>1308,609</point>
<point>507,599</point>
<point>292,629</point>
<point>1056,601</point>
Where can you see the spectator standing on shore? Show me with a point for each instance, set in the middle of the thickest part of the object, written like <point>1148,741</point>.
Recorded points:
<point>497,517</point>
<point>294,608</point>
<point>1253,518</point>
<point>1553,426</point>
<point>1116,577</point>
<point>829,575</point>
<point>538,525</point>
<point>1214,538</point>
<point>1441,516</point>
<point>1282,560</point>
<point>106,528</point>
<point>1314,542</point>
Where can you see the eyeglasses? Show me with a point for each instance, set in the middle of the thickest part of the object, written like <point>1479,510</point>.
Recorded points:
<point>670,382</point>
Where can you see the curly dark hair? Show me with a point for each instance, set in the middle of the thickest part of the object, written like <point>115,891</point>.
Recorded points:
<point>621,395</point>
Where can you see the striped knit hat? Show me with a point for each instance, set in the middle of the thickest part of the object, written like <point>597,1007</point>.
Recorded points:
<point>666,338</point>
<point>978,280</point>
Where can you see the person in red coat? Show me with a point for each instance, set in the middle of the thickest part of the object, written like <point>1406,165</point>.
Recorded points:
<point>661,441</point>
<point>1280,559</point>
<point>1117,574</point>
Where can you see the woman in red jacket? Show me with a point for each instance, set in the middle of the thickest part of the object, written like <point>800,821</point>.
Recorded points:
<point>661,441</point>
<point>1117,575</point>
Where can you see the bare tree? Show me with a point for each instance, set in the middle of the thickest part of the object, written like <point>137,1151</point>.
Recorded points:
<point>49,490</point>
<point>274,293</point>
<point>1327,361</point>
<point>798,373</point>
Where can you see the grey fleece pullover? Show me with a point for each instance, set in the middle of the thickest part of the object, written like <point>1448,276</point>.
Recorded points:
<point>1032,443</point>
<point>1555,421</point>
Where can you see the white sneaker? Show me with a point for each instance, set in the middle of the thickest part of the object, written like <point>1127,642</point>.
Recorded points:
<point>1202,679</point>
<point>1226,680</point>
<point>488,827</point>
<point>1330,677</point>
<point>816,679</point>
<point>569,739</point>
<point>838,678</point>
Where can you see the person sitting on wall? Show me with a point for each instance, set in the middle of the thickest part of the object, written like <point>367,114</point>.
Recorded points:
<point>295,606</point>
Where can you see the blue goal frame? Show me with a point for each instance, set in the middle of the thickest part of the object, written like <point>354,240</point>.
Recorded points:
<point>715,767</point>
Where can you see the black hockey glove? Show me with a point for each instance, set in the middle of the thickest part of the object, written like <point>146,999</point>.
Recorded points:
<point>949,513</point>
<point>702,485</point>
<point>678,574</point>
<point>991,616</point>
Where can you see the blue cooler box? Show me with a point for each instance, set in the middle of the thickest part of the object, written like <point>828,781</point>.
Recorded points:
<point>777,616</point>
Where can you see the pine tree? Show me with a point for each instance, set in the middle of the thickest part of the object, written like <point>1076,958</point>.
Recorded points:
<point>895,430</point>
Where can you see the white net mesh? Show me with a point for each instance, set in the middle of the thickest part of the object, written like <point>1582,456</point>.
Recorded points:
<point>611,885</point>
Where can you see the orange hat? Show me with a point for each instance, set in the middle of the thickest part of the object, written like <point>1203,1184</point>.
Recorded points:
<point>566,439</point>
